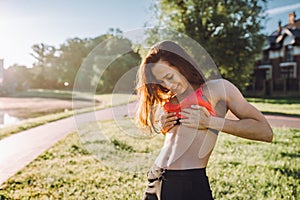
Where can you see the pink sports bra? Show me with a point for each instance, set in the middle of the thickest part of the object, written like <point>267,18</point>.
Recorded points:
<point>194,98</point>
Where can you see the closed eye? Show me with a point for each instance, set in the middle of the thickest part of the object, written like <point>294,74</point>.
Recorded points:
<point>169,77</point>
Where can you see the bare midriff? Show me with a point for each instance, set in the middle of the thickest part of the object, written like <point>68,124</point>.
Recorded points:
<point>188,156</point>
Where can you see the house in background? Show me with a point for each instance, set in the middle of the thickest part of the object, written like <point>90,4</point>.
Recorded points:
<point>277,72</point>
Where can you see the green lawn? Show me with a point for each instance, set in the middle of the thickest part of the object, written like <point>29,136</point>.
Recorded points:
<point>288,106</point>
<point>239,169</point>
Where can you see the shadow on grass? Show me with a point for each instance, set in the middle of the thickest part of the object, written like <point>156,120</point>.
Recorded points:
<point>295,173</point>
<point>291,155</point>
<point>3,197</point>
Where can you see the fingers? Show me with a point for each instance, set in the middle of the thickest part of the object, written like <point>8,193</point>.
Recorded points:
<point>186,122</point>
<point>192,117</point>
<point>167,127</point>
<point>194,111</point>
<point>195,117</point>
<point>167,115</point>
<point>191,123</point>
<point>171,119</point>
<point>196,106</point>
<point>202,108</point>
<point>168,120</point>
<point>188,113</point>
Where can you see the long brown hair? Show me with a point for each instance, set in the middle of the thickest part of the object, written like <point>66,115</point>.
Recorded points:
<point>150,93</point>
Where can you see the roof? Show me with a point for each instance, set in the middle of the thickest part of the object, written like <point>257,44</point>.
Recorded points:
<point>288,35</point>
<point>294,26</point>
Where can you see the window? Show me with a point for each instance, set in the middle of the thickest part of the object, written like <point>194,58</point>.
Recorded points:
<point>289,53</point>
<point>268,74</point>
<point>287,72</point>
<point>266,57</point>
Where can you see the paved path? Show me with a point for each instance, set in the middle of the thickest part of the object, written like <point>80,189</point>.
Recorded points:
<point>277,120</point>
<point>283,121</point>
<point>18,150</point>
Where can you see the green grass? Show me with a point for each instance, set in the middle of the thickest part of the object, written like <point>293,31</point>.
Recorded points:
<point>276,109</point>
<point>239,169</point>
<point>244,169</point>
<point>282,106</point>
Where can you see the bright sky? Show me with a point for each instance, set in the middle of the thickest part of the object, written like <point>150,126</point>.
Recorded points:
<point>25,23</point>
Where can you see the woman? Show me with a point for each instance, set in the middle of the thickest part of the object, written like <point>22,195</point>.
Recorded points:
<point>194,113</point>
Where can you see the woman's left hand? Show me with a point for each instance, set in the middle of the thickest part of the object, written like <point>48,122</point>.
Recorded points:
<point>196,117</point>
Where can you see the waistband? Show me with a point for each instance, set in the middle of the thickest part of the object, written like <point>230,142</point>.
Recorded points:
<point>185,172</point>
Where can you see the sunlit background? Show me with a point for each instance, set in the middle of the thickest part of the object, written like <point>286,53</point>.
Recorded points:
<point>25,23</point>
<point>61,34</point>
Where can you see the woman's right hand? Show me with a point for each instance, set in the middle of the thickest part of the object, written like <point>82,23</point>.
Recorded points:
<point>167,120</point>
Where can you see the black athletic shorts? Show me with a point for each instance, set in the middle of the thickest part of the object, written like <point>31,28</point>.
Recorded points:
<point>190,184</point>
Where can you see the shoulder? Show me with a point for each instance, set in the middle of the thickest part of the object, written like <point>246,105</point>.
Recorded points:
<point>213,90</point>
<point>221,90</point>
<point>217,83</point>
<point>222,86</point>
<point>216,88</point>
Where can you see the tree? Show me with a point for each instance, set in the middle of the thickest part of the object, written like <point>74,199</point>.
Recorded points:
<point>16,78</point>
<point>118,68</point>
<point>55,66</point>
<point>45,70</point>
<point>114,58</point>
<point>229,30</point>
<point>71,56</point>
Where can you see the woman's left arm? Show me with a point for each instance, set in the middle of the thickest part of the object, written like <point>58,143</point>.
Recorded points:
<point>251,123</point>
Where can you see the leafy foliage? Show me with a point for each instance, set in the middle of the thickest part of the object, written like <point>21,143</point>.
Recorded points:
<point>56,68</point>
<point>228,30</point>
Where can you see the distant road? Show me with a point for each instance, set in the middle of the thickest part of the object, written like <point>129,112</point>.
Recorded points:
<point>278,120</point>
<point>283,121</point>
